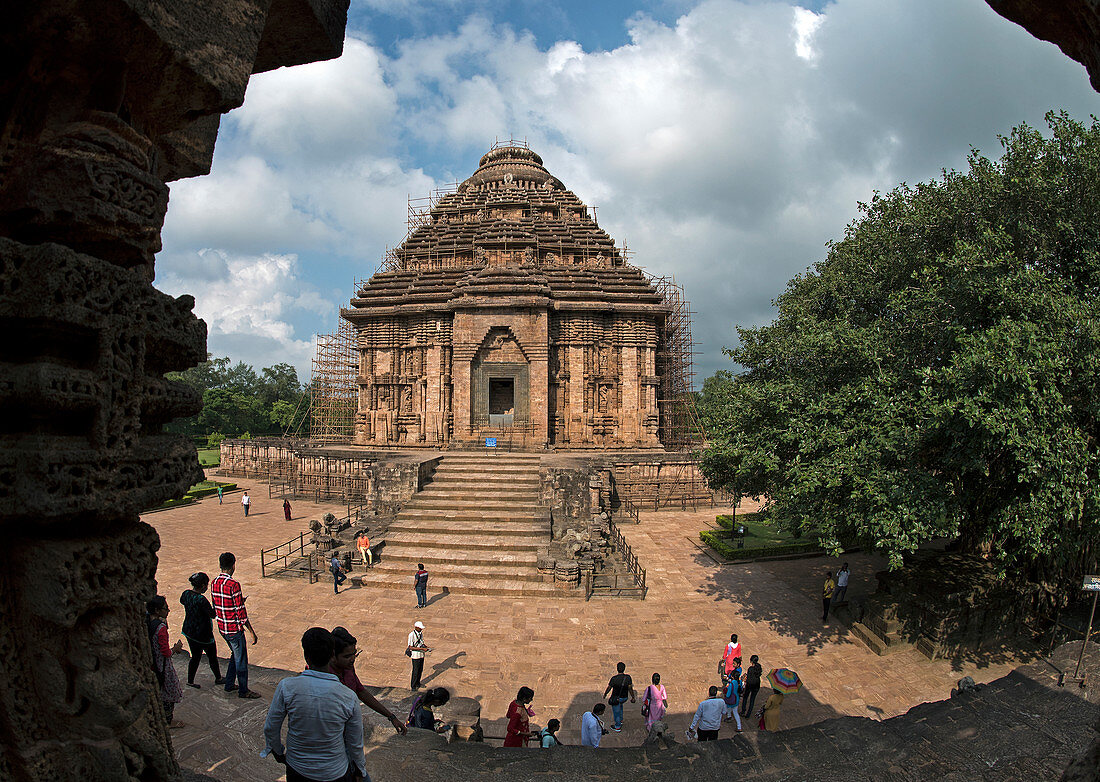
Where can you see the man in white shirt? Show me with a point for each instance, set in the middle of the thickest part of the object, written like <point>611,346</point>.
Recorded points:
<point>324,735</point>
<point>708,717</point>
<point>416,651</point>
<point>841,585</point>
<point>246,501</point>
<point>592,729</point>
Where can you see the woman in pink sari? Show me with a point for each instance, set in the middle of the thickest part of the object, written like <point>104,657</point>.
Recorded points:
<point>654,702</point>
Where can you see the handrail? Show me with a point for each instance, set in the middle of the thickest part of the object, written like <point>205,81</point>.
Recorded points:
<point>621,547</point>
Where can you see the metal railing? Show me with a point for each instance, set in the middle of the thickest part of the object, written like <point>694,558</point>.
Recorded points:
<point>295,547</point>
<point>613,582</point>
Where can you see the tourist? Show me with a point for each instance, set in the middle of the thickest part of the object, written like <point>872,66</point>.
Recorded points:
<point>246,501</point>
<point>827,596</point>
<point>519,719</point>
<point>841,590</point>
<point>344,654</point>
<point>752,686</point>
<point>654,702</point>
<point>708,717</point>
<point>286,508</point>
<point>170,691</point>
<point>338,575</point>
<point>732,697</point>
<point>592,729</point>
<point>416,650</point>
<point>219,493</point>
<point>770,720</point>
<point>232,618</point>
<point>733,651</point>
<point>198,628</point>
<point>620,687</point>
<point>422,715</point>
<point>324,734</point>
<point>362,542</point>
<point>420,585</point>
<point>548,736</point>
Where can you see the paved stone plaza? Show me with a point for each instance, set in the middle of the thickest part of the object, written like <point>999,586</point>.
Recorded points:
<point>565,648</point>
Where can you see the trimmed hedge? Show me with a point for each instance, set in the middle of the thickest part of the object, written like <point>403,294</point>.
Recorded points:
<point>727,547</point>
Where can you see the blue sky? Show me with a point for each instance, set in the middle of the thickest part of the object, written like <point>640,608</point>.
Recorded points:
<point>725,142</point>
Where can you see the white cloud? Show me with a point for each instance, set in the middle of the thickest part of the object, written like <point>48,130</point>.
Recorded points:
<point>725,148</point>
<point>248,306</point>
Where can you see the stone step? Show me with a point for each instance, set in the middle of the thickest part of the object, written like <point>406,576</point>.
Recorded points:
<point>442,573</point>
<point>470,494</point>
<point>417,514</point>
<point>466,527</point>
<point>488,473</point>
<point>878,645</point>
<point>486,503</point>
<point>472,586</point>
<point>465,542</point>
<point>500,556</point>
<point>484,481</point>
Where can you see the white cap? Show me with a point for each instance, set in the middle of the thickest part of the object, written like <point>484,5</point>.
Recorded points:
<point>418,625</point>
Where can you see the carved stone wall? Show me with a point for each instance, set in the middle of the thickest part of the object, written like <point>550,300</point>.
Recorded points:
<point>101,103</point>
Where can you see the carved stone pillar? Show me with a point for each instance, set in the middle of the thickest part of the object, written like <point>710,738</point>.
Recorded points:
<point>101,103</point>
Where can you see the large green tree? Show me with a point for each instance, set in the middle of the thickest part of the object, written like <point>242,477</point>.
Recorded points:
<point>236,400</point>
<point>937,374</point>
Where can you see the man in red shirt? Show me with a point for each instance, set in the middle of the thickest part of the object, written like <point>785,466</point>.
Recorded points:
<point>225,593</point>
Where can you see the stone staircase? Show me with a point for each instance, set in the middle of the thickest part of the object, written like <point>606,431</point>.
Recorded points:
<point>880,631</point>
<point>477,528</point>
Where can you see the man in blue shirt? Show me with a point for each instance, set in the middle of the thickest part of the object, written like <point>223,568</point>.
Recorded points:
<point>324,735</point>
<point>708,717</point>
<point>592,729</point>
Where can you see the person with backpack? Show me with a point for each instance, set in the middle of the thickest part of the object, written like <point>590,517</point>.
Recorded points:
<point>171,693</point>
<point>548,736</point>
<point>338,576</point>
<point>420,585</point>
<point>752,686</point>
<point>732,697</point>
<point>654,702</point>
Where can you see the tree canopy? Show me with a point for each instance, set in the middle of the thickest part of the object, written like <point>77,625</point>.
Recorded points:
<point>235,400</point>
<point>937,374</point>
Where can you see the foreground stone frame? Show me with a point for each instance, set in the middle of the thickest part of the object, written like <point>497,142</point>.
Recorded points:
<point>101,103</point>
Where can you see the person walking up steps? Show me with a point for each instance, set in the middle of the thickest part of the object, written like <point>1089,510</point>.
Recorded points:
<point>420,585</point>
<point>338,575</point>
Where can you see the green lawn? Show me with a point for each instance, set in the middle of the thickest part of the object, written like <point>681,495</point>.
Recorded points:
<point>761,540</point>
<point>210,457</point>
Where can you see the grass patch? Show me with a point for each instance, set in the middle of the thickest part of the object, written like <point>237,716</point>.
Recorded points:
<point>199,490</point>
<point>210,457</point>
<point>761,540</point>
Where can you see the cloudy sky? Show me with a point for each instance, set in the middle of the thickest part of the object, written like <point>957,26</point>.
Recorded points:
<point>724,142</point>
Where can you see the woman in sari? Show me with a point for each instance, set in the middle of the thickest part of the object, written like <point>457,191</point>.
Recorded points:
<point>771,710</point>
<point>519,719</point>
<point>654,702</point>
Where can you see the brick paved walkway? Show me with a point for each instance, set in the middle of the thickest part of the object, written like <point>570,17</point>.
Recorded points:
<point>566,649</point>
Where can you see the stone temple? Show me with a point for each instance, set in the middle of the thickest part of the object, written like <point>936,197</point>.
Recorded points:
<point>509,313</point>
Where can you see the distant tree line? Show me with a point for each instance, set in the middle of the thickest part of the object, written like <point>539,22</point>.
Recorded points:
<point>237,401</point>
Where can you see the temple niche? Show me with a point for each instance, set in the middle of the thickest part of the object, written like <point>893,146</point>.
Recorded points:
<point>508,312</point>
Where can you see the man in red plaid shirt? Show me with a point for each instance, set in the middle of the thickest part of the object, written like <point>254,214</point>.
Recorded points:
<point>225,591</point>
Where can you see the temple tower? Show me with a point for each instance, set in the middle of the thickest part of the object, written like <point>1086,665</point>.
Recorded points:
<point>507,312</point>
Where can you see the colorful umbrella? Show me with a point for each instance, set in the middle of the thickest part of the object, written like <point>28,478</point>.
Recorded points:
<point>785,680</point>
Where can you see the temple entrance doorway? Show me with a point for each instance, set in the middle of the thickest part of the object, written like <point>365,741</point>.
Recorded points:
<point>502,401</point>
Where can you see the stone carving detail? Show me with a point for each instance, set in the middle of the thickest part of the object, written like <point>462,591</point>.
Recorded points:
<point>106,101</point>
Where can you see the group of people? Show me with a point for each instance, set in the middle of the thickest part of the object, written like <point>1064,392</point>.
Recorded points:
<point>227,611</point>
